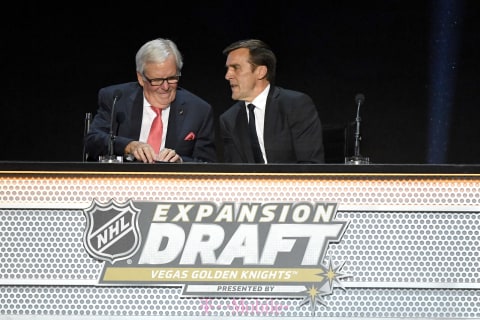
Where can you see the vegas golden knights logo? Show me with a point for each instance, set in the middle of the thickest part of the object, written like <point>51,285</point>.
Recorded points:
<point>112,232</point>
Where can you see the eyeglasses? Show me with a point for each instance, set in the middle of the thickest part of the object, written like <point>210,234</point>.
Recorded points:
<point>159,81</point>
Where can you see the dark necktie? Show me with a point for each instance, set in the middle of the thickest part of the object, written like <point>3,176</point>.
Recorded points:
<point>257,153</point>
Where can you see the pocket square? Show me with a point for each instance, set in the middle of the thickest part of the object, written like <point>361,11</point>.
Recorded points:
<point>190,136</point>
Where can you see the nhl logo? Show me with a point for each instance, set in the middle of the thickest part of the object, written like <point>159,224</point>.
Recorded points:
<point>112,232</point>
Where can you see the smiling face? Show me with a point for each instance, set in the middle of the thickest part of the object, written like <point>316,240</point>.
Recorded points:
<point>159,95</point>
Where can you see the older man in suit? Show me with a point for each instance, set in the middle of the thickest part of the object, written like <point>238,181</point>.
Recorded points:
<point>287,127</point>
<point>154,119</point>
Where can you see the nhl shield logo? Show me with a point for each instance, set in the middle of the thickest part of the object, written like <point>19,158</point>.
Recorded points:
<point>112,232</point>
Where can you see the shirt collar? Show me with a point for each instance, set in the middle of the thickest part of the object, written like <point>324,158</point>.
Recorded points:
<point>261,100</point>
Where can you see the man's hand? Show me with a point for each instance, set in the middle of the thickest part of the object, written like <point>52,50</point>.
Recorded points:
<point>145,153</point>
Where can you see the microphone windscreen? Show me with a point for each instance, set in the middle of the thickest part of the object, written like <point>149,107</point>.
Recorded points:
<point>117,94</point>
<point>359,98</point>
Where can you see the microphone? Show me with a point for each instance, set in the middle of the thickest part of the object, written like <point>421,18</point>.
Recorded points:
<point>117,94</point>
<point>359,99</point>
<point>86,128</point>
<point>357,158</point>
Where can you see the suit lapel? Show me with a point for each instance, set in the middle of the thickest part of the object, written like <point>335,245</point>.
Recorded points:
<point>272,113</point>
<point>137,112</point>
<point>175,123</point>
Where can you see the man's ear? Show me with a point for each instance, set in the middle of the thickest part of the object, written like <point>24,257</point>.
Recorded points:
<point>261,72</point>
<point>140,79</point>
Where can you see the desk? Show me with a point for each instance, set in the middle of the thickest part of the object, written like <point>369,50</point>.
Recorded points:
<point>337,241</point>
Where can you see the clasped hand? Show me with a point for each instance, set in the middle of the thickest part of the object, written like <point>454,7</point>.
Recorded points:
<point>145,153</point>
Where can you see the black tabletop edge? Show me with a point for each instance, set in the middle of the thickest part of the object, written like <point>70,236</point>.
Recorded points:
<point>18,166</point>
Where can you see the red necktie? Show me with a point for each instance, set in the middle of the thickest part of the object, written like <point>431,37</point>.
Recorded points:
<point>155,135</point>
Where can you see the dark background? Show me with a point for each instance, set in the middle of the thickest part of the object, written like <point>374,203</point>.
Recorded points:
<point>55,58</point>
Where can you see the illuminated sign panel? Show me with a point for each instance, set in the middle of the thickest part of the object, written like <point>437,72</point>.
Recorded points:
<point>227,249</point>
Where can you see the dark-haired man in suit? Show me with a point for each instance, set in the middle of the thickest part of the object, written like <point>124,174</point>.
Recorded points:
<point>287,124</point>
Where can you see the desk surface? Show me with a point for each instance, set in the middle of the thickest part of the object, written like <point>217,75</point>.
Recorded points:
<point>455,169</point>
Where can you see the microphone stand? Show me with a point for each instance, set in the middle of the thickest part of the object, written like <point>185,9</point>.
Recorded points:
<point>86,128</point>
<point>111,157</point>
<point>357,131</point>
<point>357,158</point>
<point>111,143</point>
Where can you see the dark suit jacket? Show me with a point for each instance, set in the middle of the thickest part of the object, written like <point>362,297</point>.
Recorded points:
<point>188,113</point>
<point>292,130</point>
